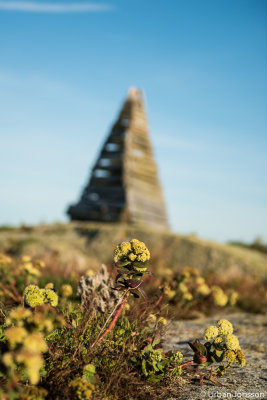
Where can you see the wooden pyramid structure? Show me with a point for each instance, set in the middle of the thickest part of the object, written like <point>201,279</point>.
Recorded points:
<point>124,184</point>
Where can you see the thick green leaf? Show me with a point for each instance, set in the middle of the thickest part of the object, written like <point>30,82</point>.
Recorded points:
<point>141,264</point>
<point>123,263</point>
<point>144,368</point>
<point>148,348</point>
<point>154,378</point>
<point>198,347</point>
<point>156,340</point>
<point>154,364</point>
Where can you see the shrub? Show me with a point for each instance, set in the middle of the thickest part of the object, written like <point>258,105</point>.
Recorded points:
<point>102,347</point>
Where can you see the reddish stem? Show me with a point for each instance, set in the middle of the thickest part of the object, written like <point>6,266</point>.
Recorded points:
<point>159,300</point>
<point>114,319</point>
<point>186,363</point>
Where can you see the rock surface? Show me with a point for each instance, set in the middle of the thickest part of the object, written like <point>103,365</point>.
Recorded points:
<point>238,383</point>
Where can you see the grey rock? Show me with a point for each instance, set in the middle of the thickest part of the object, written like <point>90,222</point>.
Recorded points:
<point>238,383</point>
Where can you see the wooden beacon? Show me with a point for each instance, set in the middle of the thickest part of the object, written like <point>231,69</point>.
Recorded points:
<point>124,184</point>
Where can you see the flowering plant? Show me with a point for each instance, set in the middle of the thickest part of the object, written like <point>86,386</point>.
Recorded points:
<point>131,258</point>
<point>221,346</point>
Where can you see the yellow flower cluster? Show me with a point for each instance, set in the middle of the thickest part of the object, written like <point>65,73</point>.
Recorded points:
<point>225,327</point>
<point>66,290</point>
<point>49,285</point>
<point>170,293</point>
<point>26,258</point>
<point>190,272</point>
<point>15,335</point>
<point>90,272</point>
<point>230,356</point>
<point>203,289</point>
<point>191,286</point>
<point>241,357</point>
<point>162,321</point>
<point>34,296</point>
<point>182,287</point>
<point>43,323</point>
<point>26,343</point>
<point>152,318</point>
<point>219,297</point>
<point>35,342</point>
<point>232,298</point>
<point>222,333</point>
<point>4,259</point>
<point>188,296</point>
<point>18,315</point>
<point>33,362</point>
<point>130,252</point>
<point>31,268</point>
<point>29,349</point>
<point>177,357</point>
<point>236,354</point>
<point>82,388</point>
<point>50,297</point>
<point>211,332</point>
<point>218,339</point>
<point>224,340</point>
<point>232,342</point>
<point>21,316</point>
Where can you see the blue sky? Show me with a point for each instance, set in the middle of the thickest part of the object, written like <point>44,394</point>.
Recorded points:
<point>65,68</point>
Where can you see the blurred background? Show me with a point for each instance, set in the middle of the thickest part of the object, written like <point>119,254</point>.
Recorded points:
<point>65,68</point>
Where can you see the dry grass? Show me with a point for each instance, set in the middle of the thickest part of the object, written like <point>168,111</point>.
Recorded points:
<point>77,247</point>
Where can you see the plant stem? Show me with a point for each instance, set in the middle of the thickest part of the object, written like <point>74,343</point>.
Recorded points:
<point>110,315</point>
<point>114,319</point>
<point>186,363</point>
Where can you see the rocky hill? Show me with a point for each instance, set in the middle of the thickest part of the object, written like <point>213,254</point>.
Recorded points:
<point>85,245</point>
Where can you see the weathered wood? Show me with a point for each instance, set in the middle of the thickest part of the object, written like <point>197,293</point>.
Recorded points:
<point>124,184</point>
